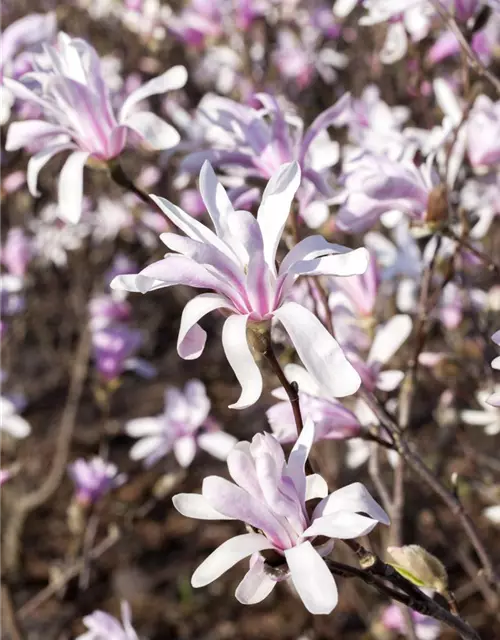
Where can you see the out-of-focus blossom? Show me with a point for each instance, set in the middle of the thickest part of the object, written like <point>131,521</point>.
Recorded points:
<point>483,133</point>
<point>10,420</point>
<point>198,21</point>
<point>105,309</point>
<point>251,143</point>
<point>146,18</point>
<point>494,398</point>
<point>481,196</point>
<point>20,40</point>
<point>362,290</point>
<point>17,252</point>
<point>489,415</point>
<point>376,185</point>
<point>12,182</point>
<point>331,419</point>
<point>404,18</point>
<point>426,628</point>
<point>68,86</point>
<point>184,426</point>
<point>493,514</point>
<point>121,264</point>
<point>93,479</point>
<point>238,264</point>
<point>11,295</point>
<point>270,495</point>
<point>102,626</point>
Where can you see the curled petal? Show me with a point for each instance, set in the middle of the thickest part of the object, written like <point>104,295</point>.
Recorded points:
<point>194,505</point>
<point>191,339</point>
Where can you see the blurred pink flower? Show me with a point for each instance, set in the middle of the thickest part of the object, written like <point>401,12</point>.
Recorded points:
<point>94,479</point>
<point>483,133</point>
<point>270,495</point>
<point>102,626</point>
<point>426,628</point>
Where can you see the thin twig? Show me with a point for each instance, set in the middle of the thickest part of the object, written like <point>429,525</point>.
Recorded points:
<point>291,388</point>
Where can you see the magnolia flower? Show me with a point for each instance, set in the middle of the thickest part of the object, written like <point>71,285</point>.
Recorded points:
<point>69,87</point>
<point>270,495</point>
<point>426,628</point>
<point>375,185</point>
<point>11,422</point>
<point>481,196</point>
<point>94,479</point>
<point>489,415</point>
<point>17,252</point>
<point>197,22</point>
<point>255,142</point>
<point>184,426</point>
<point>331,419</point>
<point>102,626</point>
<point>483,133</point>
<point>113,348</point>
<point>238,263</point>
<point>362,290</point>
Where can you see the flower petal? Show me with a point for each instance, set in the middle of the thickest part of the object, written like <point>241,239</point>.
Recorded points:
<point>38,161</point>
<point>16,426</point>
<point>239,356</point>
<point>185,450</point>
<point>70,187</point>
<point>275,208</point>
<point>319,351</point>
<point>191,339</point>
<point>22,134</point>
<point>389,380</point>
<point>295,467</point>
<point>217,443</point>
<point>312,579</point>
<point>145,447</point>
<point>354,498</point>
<point>157,133</point>
<point>227,555</point>
<point>256,585</point>
<point>174,78</point>
<point>342,524</point>
<point>348,263</point>
<point>316,487</point>
<point>140,427</point>
<point>389,339</point>
<point>194,505</point>
<point>215,198</point>
<point>333,116</point>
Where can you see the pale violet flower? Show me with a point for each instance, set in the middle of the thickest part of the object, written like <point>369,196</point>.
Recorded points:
<point>16,252</point>
<point>103,626</point>
<point>331,419</point>
<point>10,420</point>
<point>483,133</point>
<point>94,479</point>
<point>184,426</point>
<point>362,290</point>
<point>270,495</point>
<point>238,263</point>
<point>69,87</point>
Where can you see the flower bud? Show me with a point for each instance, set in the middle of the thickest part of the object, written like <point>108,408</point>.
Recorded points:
<point>420,567</point>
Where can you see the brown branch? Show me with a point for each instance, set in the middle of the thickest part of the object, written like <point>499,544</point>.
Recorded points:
<point>291,388</point>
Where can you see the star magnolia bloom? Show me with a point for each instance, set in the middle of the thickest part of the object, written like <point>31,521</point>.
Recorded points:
<point>184,426</point>
<point>332,420</point>
<point>94,479</point>
<point>270,495</point>
<point>239,264</point>
<point>69,87</point>
<point>102,626</point>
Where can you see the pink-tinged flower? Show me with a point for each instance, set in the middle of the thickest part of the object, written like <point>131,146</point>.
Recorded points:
<point>10,420</point>
<point>331,419</point>
<point>113,347</point>
<point>238,263</point>
<point>102,626</point>
<point>488,416</point>
<point>69,87</point>
<point>184,426</point>
<point>362,289</point>
<point>249,143</point>
<point>463,10</point>
<point>94,479</point>
<point>426,628</point>
<point>375,185</point>
<point>270,495</point>
<point>403,17</point>
<point>198,21</point>
<point>483,133</point>
<point>105,309</point>
<point>17,252</point>
<point>388,339</point>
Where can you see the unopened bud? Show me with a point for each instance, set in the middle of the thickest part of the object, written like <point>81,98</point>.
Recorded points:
<point>419,567</point>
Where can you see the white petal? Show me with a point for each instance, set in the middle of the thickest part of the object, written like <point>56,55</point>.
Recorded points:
<point>136,283</point>
<point>312,579</point>
<point>145,447</point>
<point>256,585</point>
<point>16,426</point>
<point>275,208</point>
<point>476,417</point>
<point>342,524</point>
<point>140,427</point>
<point>316,487</point>
<point>70,191</point>
<point>191,339</point>
<point>239,356</point>
<point>23,133</point>
<point>354,498</point>
<point>305,381</point>
<point>217,443</point>
<point>493,514</point>
<point>319,351</point>
<point>389,338</point>
<point>348,263</point>
<point>38,161</point>
<point>227,555</point>
<point>389,380</point>
<point>215,198</point>
<point>174,78</point>
<point>185,450</point>
<point>295,467</point>
<point>157,133</point>
<point>194,505</point>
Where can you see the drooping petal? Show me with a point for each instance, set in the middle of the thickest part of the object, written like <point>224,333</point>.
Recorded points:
<point>194,505</point>
<point>70,187</point>
<point>240,358</point>
<point>312,579</point>
<point>256,585</point>
<point>174,78</point>
<point>157,133</point>
<point>319,351</point>
<point>308,249</point>
<point>16,426</point>
<point>38,161</point>
<point>191,339</point>
<point>333,116</point>
<point>389,339</point>
<point>227,555</point>
<point>344,525</point>
<point>145,447</point>
<point>354,498</point>
<point>275,208</point>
